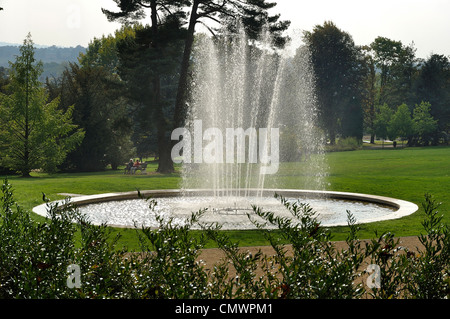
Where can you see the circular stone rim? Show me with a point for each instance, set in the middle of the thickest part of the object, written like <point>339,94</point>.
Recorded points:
<point>403,208</point>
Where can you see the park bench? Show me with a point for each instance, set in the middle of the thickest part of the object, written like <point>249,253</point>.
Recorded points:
<point>142,167</point>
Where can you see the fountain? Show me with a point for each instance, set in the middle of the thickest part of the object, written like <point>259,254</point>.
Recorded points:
<point>252,108</point>
<point>256,97</point>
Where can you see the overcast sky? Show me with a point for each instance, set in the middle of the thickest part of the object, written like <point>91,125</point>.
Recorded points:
<point>76,22</point>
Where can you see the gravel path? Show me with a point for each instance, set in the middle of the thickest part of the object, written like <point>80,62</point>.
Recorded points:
<point>213,255</point>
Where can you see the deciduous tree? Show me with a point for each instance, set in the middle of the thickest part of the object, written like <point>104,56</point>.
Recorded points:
<point>382,122</point>
<point>339,70</point>
<point>401,124</point>
<point>369,92</point>
<point>398,68</point>
<point>433,86</point>
<point>101,110</point>
<point>424,124</point>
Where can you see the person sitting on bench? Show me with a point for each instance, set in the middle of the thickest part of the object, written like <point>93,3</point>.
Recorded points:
<point>129,166</point>
<point>135,166</point>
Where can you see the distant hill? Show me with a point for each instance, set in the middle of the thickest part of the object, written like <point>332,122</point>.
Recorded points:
<point>45,54</point>
<point>2,44</point>
<point>54,58</point>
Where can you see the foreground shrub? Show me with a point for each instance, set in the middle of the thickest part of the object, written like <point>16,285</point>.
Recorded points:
<point>36,259</point>
<point>309,266</point>
<point>423,273</point>
<point>170,267</point>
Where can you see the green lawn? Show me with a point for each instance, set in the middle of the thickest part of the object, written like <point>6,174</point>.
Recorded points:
<point>405,174</point>
<point>402,173</point>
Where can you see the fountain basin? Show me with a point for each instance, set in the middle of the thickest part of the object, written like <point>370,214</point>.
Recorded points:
<point>127,209</point>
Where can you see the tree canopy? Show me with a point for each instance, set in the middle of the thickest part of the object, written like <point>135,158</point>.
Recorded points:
<point>129,90</point>
<point>171,16</point>
<point>339,71</point>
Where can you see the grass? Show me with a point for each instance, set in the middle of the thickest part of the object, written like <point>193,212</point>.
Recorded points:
<point>405,174</point>
<point>402,173</point>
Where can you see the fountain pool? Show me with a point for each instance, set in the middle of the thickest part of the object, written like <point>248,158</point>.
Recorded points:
<point>233,213</point>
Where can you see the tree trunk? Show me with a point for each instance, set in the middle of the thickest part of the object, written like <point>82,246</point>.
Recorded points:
<point>26,152</point>
<point>25,170</point>
<point>165,164</point>
<point>332,137</point>
<point>180,103</point>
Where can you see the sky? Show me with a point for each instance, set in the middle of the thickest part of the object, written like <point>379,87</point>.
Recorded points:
<point>76,22</point>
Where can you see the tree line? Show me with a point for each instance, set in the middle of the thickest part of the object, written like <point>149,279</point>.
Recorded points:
<point>381,89</point>
<point>129,90</point>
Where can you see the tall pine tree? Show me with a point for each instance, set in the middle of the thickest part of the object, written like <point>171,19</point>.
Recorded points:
<point>134,10</point>
<point>253,14</point>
